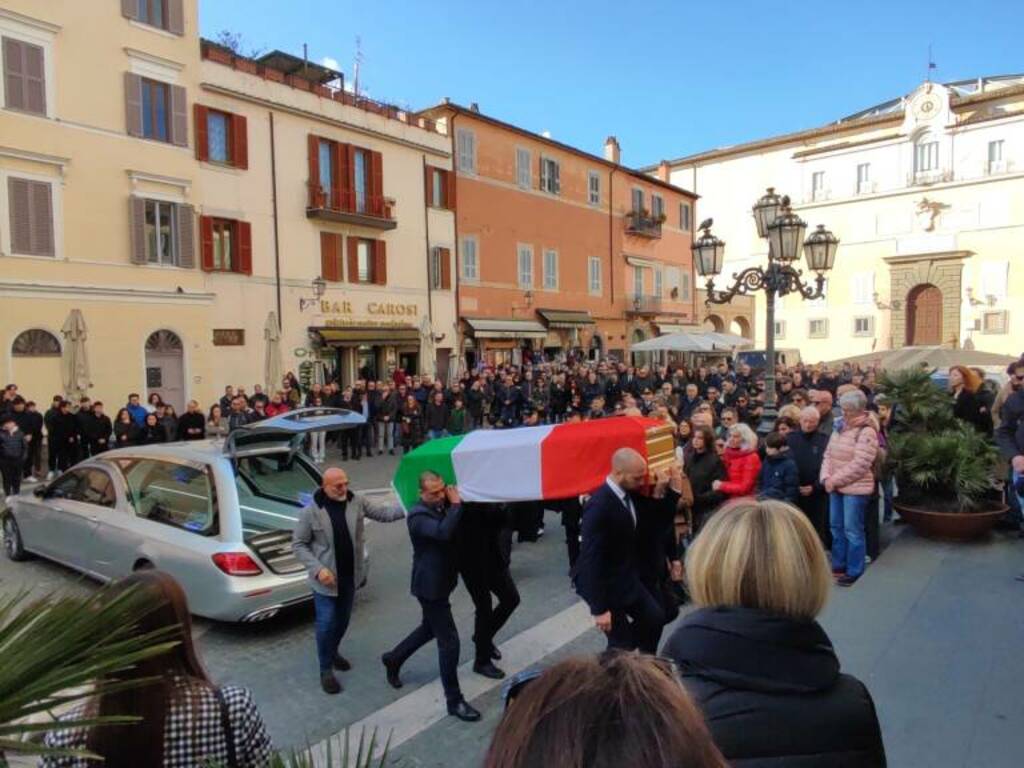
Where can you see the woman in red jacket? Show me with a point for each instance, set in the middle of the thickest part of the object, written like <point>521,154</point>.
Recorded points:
<point>277,405</point>
<point>742,464</point>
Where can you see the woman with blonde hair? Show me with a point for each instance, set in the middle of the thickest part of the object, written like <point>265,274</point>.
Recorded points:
<point>753,655</point>
<point>616,709</point>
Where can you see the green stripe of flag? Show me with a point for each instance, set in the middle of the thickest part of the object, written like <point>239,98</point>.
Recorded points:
<point>433,455</point>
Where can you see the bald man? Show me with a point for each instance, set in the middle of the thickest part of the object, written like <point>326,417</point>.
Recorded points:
<point>617,523</point>
<point>328,541</point>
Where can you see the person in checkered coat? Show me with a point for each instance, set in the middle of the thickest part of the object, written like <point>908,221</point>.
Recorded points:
<point>186,721</point>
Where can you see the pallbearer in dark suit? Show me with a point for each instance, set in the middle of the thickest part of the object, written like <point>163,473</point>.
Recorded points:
<point>432,524</point>
<point>607,573</point>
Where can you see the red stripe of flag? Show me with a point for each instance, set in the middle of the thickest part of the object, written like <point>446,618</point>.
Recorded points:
<point>576,458</point>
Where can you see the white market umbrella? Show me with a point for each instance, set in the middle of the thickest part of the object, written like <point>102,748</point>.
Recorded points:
<point>690,341</point>
<point>73,359</point>
<point>272,363</point>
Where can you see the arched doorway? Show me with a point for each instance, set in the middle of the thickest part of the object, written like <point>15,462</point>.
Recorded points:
<point>596,349</point>
<point>740,326</point>
<point>714,323</point>
<point>639,358</point>
<point>165,368</point>
<point>924,316</point>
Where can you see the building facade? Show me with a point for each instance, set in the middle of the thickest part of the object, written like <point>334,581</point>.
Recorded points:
<point>191,211</point>
<point>925,193</point>
<point>559,250</point>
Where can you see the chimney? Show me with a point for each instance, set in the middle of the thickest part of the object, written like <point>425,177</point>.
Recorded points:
<point>612,152</point>
<point>664,171</point>
<point>474,107</point>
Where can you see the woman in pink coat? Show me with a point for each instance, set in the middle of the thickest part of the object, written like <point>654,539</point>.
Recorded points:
<point>848,475</point>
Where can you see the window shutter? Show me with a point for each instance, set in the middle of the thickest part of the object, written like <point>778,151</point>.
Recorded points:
<point>187,238</point>
<point>445,256</point>
<point>35,86</point>
<point>245,247</point>
<point>176,17</point>
<point>206,243</point>
<point>558,181</point>
<point>449,199</point>
<point>202,133</point>
<point>380,262</point>
<point>21,220</point>
<point>179,116</point>
<point>340,188</point>
<point>346,177</point>
<point>137,219</point>
<point>130,9</point>
<point>377,183</point>
<point>314,166</point>
<point>330,256</point>
<point>14,74</point>
<point>133,103</point>
<point>428,183</point>
<point>543,174</point>
<point>41,207</point>
<point>353,259</point>
<point>240,141</point>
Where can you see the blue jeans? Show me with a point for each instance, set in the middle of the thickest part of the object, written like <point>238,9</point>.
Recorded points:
<point>332,617</point>
<point>887,491</point>
<point>846,519</point>
<point>433,434</point>
<point>1014,477</point>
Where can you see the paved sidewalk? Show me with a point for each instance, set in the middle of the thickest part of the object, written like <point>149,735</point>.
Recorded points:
<point>935,631</point>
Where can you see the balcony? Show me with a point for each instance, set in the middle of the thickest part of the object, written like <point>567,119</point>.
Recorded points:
<point>375,211</point>
<point>643,305</point>
<point>642,224</point>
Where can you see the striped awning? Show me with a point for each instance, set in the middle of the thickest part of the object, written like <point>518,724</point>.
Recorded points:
<point>565,318</point>
<point>487,328</point>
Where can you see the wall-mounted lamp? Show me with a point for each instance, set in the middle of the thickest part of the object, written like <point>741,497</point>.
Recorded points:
<point>893,303</point>
<point>319,286</point>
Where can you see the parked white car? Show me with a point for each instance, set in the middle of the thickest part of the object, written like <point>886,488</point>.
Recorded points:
<point>215,514</point>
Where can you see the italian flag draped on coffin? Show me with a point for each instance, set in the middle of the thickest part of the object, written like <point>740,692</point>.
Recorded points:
<point>553,461</point>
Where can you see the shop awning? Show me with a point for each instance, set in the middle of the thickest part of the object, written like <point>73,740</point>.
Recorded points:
<point>484,328</point>
<point>565,318</point>
<point>664,328</point>
<point>364,335</point>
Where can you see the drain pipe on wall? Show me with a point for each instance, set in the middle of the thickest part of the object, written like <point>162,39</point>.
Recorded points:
<point>277,242</point>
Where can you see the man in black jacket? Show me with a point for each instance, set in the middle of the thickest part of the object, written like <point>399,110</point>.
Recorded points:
<point>97,430</point>
<point>807,448</point>
<point>432,523</point>
<point>483,545</point>
<point>84,419</point>
<point>607,576</point>
<point>64,437</point>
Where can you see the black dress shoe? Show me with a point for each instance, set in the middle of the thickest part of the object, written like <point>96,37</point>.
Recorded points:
<point>495,653</point>
<point>330,683</point>
<point>340,662</point>
<point>392,671</point>
<point>463,711</point>
<point>488,670</point>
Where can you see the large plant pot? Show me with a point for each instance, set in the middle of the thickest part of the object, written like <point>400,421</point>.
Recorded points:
<point>950,526</point>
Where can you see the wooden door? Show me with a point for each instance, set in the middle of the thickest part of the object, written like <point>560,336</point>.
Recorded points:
<point>924,316</point>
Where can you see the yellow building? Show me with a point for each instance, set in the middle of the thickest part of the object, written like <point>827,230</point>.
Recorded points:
<point>926,195</point>
<point>162,188</point>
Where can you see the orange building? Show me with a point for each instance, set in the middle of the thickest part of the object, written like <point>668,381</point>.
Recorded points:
<point>559,249</point>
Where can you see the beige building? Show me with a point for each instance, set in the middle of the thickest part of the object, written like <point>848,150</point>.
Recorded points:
<point>925,193</point>
<point>166,194</point>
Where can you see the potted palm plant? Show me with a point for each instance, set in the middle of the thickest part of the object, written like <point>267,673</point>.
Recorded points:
<point>945,470</point>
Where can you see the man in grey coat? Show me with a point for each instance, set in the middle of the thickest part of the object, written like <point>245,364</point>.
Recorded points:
<point>328,541</point>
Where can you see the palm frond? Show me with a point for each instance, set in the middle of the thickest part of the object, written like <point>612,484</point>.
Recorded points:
<point>57,647</point>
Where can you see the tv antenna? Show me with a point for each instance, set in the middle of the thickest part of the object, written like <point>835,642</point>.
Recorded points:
<point>931,65</point>
<point>356,66</point>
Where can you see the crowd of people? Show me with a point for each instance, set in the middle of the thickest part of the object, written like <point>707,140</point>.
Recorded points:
<point>745,522</point>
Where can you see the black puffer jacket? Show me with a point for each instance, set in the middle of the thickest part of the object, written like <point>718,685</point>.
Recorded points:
<point>772,693</point>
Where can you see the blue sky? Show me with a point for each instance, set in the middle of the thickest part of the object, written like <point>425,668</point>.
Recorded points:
<point>667,78</point>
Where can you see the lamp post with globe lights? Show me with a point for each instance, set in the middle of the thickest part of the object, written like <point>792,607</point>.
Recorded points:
<point>784,230</point>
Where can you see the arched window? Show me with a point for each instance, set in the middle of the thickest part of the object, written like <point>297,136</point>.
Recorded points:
<point>35,342</point>
<point>163,341</point>
<point>926,154</point>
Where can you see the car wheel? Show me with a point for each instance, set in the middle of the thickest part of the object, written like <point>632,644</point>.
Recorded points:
<point>14,547</point>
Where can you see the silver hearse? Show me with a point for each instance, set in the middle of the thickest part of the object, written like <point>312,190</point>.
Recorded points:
<point>215,514</point>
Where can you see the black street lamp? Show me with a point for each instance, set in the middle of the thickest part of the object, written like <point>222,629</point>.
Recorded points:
<point>785,232</point>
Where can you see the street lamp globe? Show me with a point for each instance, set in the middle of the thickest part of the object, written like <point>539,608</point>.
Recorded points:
<point>786,234</point>
<point>708,253</point>
<point>820,249</point>
<point>765,210</point>
<point>319,286</point>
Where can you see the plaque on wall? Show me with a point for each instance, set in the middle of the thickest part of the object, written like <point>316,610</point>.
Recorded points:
<point>154,378</point>
<point>229,337</point>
